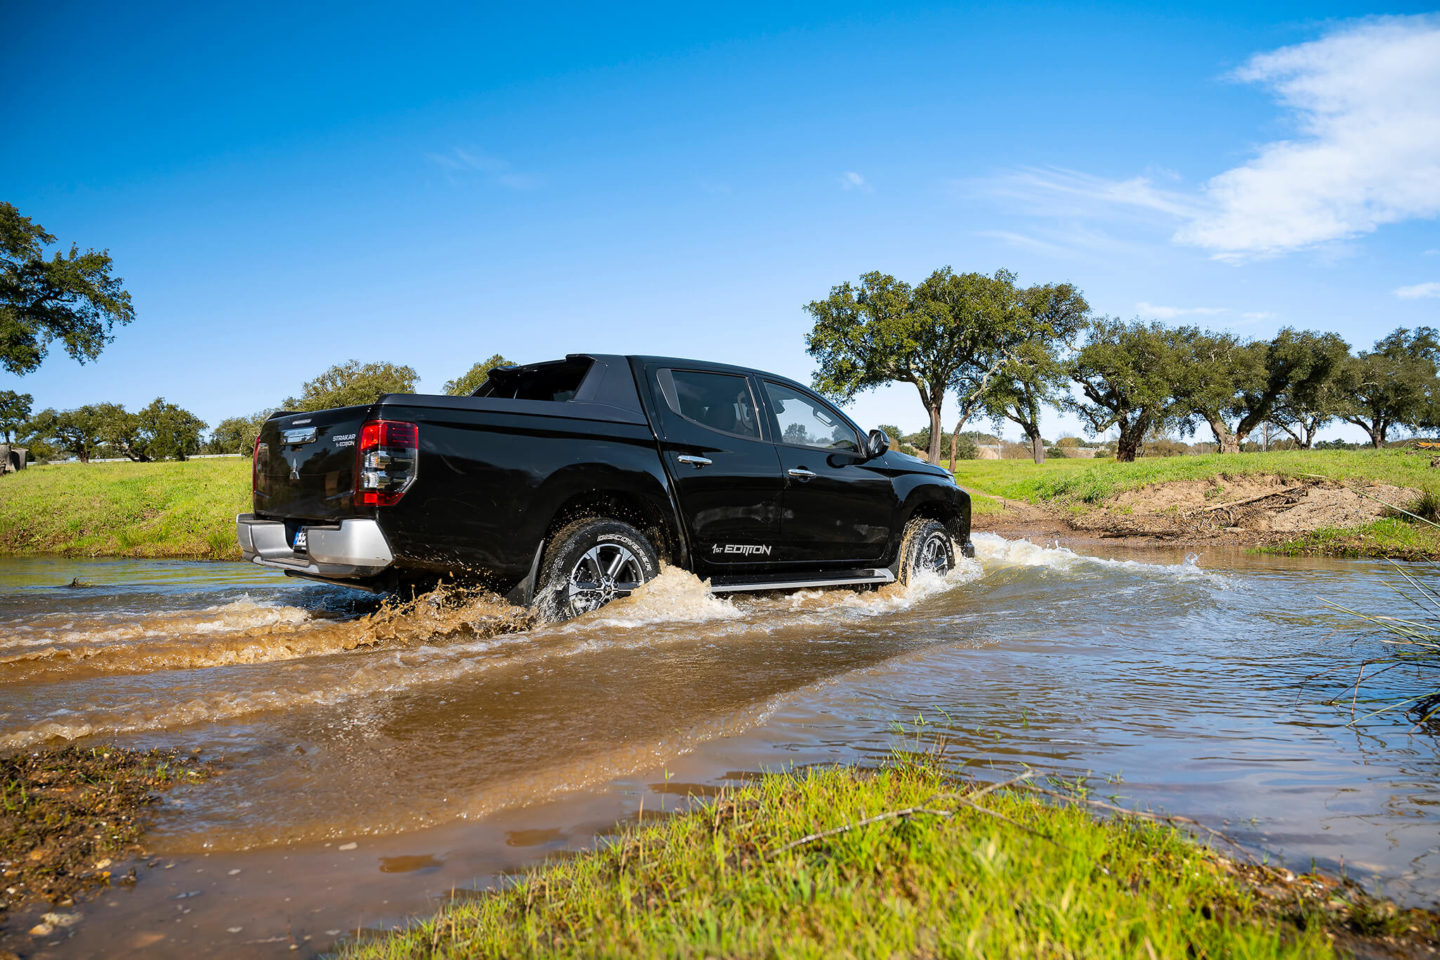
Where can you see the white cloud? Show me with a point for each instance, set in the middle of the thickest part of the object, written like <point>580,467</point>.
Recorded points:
<point>1418,291</point>
<point>1059,192</point>
<point>1259,315</point>
<point>1366,100</point>
<point>1170,313</point>
<point>459,162</point>
<point>850,180</point>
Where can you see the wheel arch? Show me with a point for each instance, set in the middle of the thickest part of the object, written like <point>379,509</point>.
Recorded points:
<point>948,504</point>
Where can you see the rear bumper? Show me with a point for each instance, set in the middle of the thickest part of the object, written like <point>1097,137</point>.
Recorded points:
<point>350,549</point>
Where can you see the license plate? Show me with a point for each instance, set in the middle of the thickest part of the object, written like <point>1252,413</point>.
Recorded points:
<point>302,543</point>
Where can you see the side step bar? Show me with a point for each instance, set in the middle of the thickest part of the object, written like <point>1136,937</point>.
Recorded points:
<point>840,578</point>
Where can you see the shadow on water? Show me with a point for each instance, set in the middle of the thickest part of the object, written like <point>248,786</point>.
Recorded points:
<point>450,742</point>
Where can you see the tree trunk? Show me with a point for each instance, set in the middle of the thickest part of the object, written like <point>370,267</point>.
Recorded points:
<point>1227,441</point>
<point>937,430</point>
<point>1127,447</point>
<point>1037,448</point>
<point>955,440</point>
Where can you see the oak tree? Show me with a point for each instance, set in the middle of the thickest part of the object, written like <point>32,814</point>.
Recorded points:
<point>468,382</point>
<point>71,297</point>
<point>1126,374</point>
<point>14,411</point>
<point>353,384</point>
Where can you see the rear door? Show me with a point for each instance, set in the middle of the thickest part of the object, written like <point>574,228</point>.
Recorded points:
<point>724,467</point>
<point>838,507</point>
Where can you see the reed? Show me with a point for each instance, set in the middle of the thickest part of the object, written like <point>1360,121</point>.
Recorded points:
<point>1412,644</point>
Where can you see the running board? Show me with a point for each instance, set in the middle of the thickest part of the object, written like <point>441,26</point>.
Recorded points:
<point>847,578</point>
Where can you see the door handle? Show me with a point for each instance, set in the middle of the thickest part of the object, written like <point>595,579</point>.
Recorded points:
<point>801,474</point>
<point>696,462</point>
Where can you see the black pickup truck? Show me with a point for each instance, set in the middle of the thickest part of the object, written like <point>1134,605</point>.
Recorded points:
<point>566,484</point>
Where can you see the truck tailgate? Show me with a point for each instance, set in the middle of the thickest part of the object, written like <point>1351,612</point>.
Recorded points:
<point>305,465</point>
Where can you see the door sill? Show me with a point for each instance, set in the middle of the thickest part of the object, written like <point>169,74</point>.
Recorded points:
<point>789,581</point>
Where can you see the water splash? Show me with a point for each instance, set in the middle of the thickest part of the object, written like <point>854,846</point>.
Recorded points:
<point>996,552</point>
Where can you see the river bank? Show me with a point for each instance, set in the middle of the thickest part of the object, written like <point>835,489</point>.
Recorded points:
<point>1340,503</point>
<point>910,860</point>
<point>181,510</point>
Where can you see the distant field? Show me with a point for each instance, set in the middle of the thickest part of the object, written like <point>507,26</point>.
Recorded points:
<point>126,509</point>
<point>1090,482</point>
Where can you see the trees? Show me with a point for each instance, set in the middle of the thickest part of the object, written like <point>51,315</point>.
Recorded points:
<point>1209,370</point>
<point>76,432</point>
<point>353,383</point>
<point>161,430</point>
<point>1313,400</point>
<point>237,434</point>
<point>938,337</point>
<point>121,430</point>
<point>14,411</point>
<point>1040,320</point>
<point>1126,373</point>
<point>468,382</point>
<point>1393,384</point>
<point>1234,385</point>
<point>71,297</point>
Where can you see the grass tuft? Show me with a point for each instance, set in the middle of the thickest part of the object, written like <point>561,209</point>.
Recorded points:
<point>904,861</point>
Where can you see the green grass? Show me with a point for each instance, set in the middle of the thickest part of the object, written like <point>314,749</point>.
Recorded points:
<point>125,509</point>
<point>1089,482</point>
<point>1392,537</point>
<point>1026,878</point>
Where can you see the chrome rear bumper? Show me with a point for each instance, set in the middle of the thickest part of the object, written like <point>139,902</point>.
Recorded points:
<point>351,549</point>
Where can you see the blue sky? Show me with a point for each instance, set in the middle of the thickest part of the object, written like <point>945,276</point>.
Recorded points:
<point>291,186</point>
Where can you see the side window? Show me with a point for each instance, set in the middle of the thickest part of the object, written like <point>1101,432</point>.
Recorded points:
<point>720,401</point>
<point>806,422</point>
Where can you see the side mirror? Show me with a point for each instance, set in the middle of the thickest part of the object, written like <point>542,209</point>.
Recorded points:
<point>876,443</point>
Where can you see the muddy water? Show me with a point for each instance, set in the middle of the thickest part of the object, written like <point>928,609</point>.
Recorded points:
<point>378,757</point>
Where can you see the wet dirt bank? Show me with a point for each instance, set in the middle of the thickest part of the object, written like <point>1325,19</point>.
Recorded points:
<point>1262,511</point>
<point>364,781</point>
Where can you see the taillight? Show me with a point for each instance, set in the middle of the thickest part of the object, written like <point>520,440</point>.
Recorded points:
<point>386,462</point>
<point>255,463</point>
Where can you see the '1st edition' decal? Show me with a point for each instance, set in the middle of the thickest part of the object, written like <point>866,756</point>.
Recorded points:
<point>744,549</point>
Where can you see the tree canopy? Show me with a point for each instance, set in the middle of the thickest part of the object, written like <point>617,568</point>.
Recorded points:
<point>76,432</point>
<point>237,434</point>
<point>14,411</point>
<point>71,297</point>
<point>950,333</point>
<point>1393,384</point>
<point>352,384</point>
<point>468,382</point>
<point>160,431</point>
<point>1310,401</point>
<point>1041,320</point>
<point>1126,374</point>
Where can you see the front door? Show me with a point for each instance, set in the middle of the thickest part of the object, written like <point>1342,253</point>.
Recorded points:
<point>838,508</point>
<point>725,469</point>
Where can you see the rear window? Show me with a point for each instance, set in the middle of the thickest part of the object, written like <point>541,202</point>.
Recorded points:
<point>555,381</point>
<point>720,401</point>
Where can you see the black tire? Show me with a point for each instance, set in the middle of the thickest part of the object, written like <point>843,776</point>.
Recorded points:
<point>925,545</point>
<point>589,563</point>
